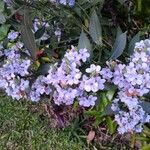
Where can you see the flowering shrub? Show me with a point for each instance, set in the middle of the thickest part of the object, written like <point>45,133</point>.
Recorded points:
<point>71,80</point>
<point>75,77</point>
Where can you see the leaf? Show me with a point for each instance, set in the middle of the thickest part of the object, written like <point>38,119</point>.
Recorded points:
<point>110,94</point>
<point>1,6</point>
<point>84,42</point>
<point>90,137</point>
<point>146,106</point>
<point>95,28</point>
<point>2,18</point>
<point>119,32</point>
<point>108,110</point>
<point>119,45</point>
<point>43,69</point>
<point>3,31</point>
<point>39,33</point>
<point>111,125</point>
<point>131,46</point>
<point>29,40</point>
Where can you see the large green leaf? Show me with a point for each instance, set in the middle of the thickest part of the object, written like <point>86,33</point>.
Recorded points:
<point>131,46</point>
<point>119,45</point>
<point>95,28</point>
<point>84,42</point>
<point>3,31</point>
<point>27,34</point>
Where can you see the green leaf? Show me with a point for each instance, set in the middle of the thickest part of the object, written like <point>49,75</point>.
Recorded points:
<point>119,32</point>
<point>109,111</point>
<point>131,46</point>
<point>84,42</point>
<point>39,33</point>
<point>119,45</point>
<point>3,31</point>
<point>111,125</point>
<point>146,106</point>
<point>29,40</point>
<point>95,28</point>
<point>1,6</point>
<point>43,69</point>
<point>110,94</point>
<point>2,18</point>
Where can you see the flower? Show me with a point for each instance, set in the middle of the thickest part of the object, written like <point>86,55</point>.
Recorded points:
<point>12,35</point>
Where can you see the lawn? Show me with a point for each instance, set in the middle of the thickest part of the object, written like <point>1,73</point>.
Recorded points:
<point>22,128</point>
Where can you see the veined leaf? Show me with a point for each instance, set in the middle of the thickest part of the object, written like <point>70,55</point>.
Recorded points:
<point>27,34</point>
<point>131,46</point>
<point>95,28</point>
<point>29,40</point>
<point>119,45</point>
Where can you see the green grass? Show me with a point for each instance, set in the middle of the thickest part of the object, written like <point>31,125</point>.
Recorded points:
<point>21,129</point>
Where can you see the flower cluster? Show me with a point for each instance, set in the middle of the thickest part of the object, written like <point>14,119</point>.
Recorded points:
<point>133,81</point>
<point>64,2</point>
<point>13,72</point>
<point>70,83</point>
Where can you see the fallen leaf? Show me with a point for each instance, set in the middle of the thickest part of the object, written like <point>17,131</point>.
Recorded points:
<point>90,136</point>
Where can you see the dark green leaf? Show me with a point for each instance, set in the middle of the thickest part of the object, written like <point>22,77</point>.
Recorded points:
<point>131,46</point>
<point>146,106</point>
<point>29,40</point>
<point>119,45</point>
<point>43,69</point>
<point>39,33</point>
<point>119,32</point>
<point>84,42</point>
<point>108,110</point>
<point>95,28</point>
